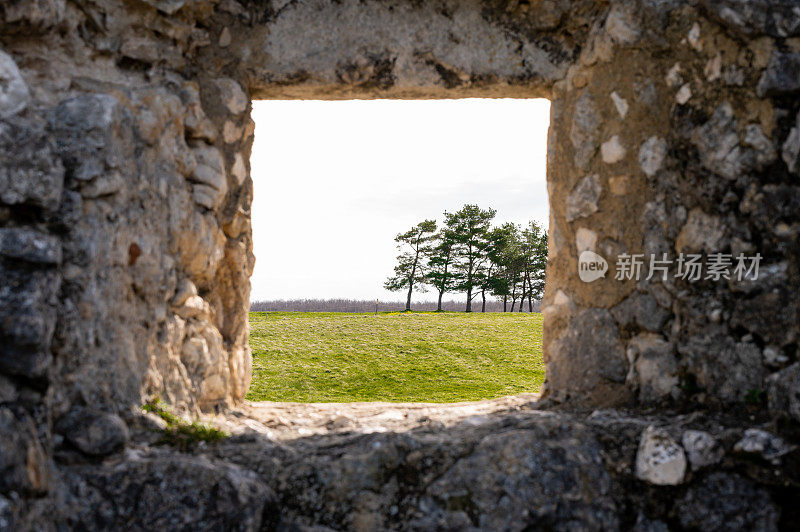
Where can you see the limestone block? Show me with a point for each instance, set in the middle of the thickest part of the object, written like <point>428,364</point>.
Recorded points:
<point>660,460</point>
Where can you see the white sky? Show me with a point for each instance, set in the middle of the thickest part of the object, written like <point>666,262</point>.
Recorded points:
<point>334,182</point>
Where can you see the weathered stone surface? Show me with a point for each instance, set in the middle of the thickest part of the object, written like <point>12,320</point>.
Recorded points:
<point>14,93</point>
<point>166,491</point>
<point>596,363</point>
<point>782,75</point>
<point>702,232</point>
<point>702,449</point>
<point>790,152</point>
<point>718,143</point>
<point>583,133</point>
<point>612,151</point>
<point>27,321</point>
<point>93,432</point>
<point>640,311</point>
<point>654,368</point>
<point>660,460</point>
<point>29,245</point>
<point>765,444</point>
<point>724,501</point>
<point>774,18</point>
<point>783,392</point>
<point>24,467</point>
<point>31,172</point>
<point>233,96</point>
<point>502,465</point>
<point>210,176</point>
<point>94,136</point>
<point>583,200</point>
<point>728,370</point>
<point>652,154</point>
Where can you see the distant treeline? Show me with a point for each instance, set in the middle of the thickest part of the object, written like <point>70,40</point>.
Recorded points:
<point>356,305</point>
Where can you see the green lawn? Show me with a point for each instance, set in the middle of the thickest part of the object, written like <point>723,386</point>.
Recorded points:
<point>421,357</point>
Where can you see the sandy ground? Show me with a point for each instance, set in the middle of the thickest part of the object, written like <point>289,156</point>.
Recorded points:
<point>287,421</point>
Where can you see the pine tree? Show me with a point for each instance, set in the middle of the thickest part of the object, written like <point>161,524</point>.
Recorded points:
<point>410,270</point>
<point>439,272</point>
<point>469,228</point>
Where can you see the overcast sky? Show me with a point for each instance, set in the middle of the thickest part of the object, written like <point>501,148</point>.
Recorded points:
<point>336,181</point>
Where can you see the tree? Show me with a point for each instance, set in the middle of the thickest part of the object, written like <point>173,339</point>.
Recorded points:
<point>409,272</point>
<point>469,229</point>
<point>534,245</point>
<point>504,256</point>
<point>440,259</point>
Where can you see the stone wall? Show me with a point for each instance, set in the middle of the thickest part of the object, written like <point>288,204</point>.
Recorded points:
<point>125,239</point>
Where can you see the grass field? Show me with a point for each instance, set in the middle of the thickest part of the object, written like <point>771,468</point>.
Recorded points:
<point>414,357</point>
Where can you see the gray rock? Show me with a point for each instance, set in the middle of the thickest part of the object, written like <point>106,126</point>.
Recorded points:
<point>166,491</point>
<point>621,24</point>
<point>782,75</point>
<point>723,502</point>
<point>583,133</point>
<point>765,151</point>
<point>93,432</point>
<point>583,200</point>
<point>197,123</point>
<point>727,369</point>
<point>209,176</point>
<point>702,449</point>
<point>640,311</point>
<point>612,150</point>
<point>654,367</point>
<point>590,358</point>
<point>29,245</point>
<point>94,135</point>
<point>783,392</point>
<point>790,152</point>
<point>23,463</point>
<point>776,18</point>
<point>659,459</point>
<point>27,321</point>
<point>702,232</point>
<point>510,480</point>
<point>717,142</point>
<point>31,172</point>
<point>8,391</point>
<point>6,515</point>
<point>643,524</point>
<point>232,95</point>
<point>765,444</point>
<point>651,155</point>
<point>774,356</point>
<point>14,93</point>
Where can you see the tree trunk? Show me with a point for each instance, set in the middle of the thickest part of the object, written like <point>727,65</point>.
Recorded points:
<point>439,304</point>
<point>483,303</point>
<point>469,299</point>
<point>408,299</point>
<point>505,303</point>
<point>530,294</point>
<point>522,298</point>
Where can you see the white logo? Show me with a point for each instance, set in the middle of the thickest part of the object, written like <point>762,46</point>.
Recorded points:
<point>591,266</point>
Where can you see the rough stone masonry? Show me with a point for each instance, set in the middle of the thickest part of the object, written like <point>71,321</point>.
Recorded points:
<point>125,253</point>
